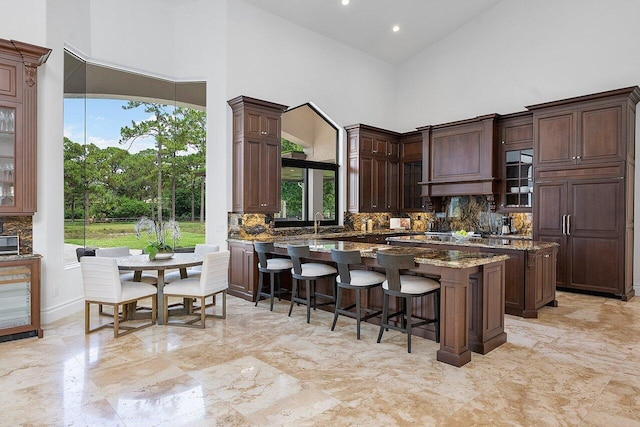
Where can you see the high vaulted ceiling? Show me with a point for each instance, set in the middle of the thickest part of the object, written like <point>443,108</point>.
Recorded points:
<point>366,25</point>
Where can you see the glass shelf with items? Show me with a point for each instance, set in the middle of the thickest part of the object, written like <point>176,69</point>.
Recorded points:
<point>519,178</point>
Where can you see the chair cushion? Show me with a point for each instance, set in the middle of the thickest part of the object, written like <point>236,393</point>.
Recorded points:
<point>279,264</point>
<point>365,278</point>
<point>312,269</point>
<point>184,287</point>
<point>175,275</point>
<point>414,285</point>
<point>128,277</point>
<point>137,290</point>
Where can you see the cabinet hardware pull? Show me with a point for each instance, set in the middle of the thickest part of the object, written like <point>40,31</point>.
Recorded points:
<point>564,225</point>
<point>568,225</point>
<point>546,256</point>
<point>573,158</point>
<point>579,157</point>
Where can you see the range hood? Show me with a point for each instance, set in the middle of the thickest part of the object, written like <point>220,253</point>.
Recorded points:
<point>460,158</point>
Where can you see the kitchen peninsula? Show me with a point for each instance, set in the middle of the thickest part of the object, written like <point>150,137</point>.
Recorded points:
<point>472,293</point>
<point>530,270</point>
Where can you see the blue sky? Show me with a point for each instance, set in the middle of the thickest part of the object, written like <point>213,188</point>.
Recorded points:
<point>104,119</point>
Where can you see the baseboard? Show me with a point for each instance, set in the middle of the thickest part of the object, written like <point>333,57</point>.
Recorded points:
<point>62,310</point>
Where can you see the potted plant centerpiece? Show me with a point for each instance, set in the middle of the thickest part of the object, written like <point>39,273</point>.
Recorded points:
<point>160,248</point>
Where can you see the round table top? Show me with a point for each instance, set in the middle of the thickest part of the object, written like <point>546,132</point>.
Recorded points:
<point>142,262</point>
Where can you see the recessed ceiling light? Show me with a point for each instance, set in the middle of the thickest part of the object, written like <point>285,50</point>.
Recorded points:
<point>396,28</point>
<point>345,2</point>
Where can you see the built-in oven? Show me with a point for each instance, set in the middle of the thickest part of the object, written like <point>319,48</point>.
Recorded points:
<point>9,245</point>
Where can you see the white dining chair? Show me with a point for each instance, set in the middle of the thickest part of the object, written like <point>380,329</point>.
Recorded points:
<point>213,279</point>
<point>102,286</point>
<point>192,272</point>
<point>122,251</point>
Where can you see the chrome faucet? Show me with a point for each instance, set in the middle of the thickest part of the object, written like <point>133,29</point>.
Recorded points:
<point>316,222</point>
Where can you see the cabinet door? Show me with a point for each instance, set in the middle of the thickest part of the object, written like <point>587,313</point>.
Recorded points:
<point>11,168</point>
<point>365,184</point>
<point>271,168</point>
<point>379,185</point>
<point>555,138</point>
<point>392,186</point>
<point>411,190</point>
<point>596,235</point>
<point>253,179</point>
<point>550,209</point>
<point>601,135</point>
<point>270,126</point>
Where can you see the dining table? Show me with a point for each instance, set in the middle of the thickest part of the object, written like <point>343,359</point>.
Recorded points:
<point>140,263</point>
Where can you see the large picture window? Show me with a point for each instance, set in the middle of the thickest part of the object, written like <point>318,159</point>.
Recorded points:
<point>134,147</point>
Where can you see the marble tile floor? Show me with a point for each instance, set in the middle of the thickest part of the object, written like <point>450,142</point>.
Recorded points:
<point>578,364</point>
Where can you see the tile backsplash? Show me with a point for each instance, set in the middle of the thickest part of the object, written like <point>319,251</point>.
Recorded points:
<point>21,226</point>
<point>470,213</point>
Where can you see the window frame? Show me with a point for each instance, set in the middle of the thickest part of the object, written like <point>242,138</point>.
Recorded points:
<point>309,164</point>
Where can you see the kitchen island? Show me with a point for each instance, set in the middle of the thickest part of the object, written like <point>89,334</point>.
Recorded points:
<point>472,292</point>
<point>530,271</point>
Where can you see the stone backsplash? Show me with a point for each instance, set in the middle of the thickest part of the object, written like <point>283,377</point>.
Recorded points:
<point>21,226</point>
<point>469,213</point>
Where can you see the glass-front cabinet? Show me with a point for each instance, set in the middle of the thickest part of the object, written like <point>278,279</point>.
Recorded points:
<point>7,155</point>
<point>516,162</point>
<point>20,298</point>
<point>18,124</point>
<point>519,178</point>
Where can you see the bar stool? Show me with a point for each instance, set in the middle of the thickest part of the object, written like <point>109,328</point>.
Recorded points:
<point>358,280</point>
<point>273,267</point>
<point>406,287</point>
<point>309,272</point>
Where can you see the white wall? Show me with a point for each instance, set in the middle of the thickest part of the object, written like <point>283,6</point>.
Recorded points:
<point>521,53</point>
<point>273,59</point>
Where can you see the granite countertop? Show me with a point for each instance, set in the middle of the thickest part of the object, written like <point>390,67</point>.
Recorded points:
<point>435,257</point>
<point>481,242</point>
<point>5,258</point>
<point>332,235</point>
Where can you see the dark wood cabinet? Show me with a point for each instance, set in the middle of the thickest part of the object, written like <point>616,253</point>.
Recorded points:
<point>587,130</point>
<point>256,155</point>
<point>583,196</point>
<point>411,172</point>
<point>243,270</point>
<point>18,124</point>
<point>374,169</point>
<point>20,297</point>
<point>515,132</point>
<point>460,158</point>
<point>530,281</point>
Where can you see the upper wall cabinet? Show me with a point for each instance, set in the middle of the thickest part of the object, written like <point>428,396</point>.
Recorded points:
<point>585,130</point>
<point>373,170</point>
<point>18,124</point>
<point>515,133</point>
<point>411,172</point>
<point>256,155</point>
<point>460,158</point>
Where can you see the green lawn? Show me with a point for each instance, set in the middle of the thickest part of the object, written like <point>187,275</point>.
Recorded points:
<point>123,234</point>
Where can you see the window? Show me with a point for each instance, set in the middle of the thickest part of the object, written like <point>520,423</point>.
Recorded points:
<point>133,144</point>
<point>309,176</point>
<point>307,188</point>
